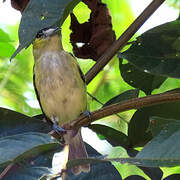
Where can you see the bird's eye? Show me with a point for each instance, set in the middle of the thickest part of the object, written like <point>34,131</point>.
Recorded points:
<point>40,34</point>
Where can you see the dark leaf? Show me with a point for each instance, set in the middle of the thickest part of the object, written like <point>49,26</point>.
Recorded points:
<point>158,123</point>
<point>155,173</point>
<point>114,137</point>
<point>39,15</point>
<point>157,50</point>
<point>34,168</point>
<point>138,127</point>
<point>134,177</point>
<point>17,148</point>
<point>13,123</point>
<point>129,94</point>
<point>173,177</point>
<point>140,79</point>
<point>164,149</point>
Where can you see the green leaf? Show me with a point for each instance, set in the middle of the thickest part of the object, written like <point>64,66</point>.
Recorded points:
<point>138,132</point>
<point>13,123</point>
<point>157,51</point>
<point>30,173</point>
<point>137,129</point>
<point>6,49</point>
<point>33,168</point>
<point>16,148</point>
<point>164,149</point>
<point>114,137</point>
<point>134,177</point>
<point>140,79</point>
<point>158,123</point>
<point>129,94</point>
<point>4,37</point>
<point>173,177</point>
<point>39,15</point>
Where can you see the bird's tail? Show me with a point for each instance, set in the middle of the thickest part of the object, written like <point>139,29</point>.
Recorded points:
<point>77,150</point>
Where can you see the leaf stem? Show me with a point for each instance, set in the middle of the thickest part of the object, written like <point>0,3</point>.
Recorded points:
<point>123,39</point>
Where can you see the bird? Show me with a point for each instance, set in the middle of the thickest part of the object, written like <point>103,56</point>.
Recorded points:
<point>60,90</point>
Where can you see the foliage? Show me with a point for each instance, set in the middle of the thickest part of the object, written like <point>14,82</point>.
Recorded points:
<point>146,139</point>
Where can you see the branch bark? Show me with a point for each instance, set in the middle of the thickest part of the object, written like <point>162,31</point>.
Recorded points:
<point>123,39</point>
<point>135,103</point>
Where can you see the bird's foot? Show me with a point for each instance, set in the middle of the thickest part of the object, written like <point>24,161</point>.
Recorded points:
<point>88,113</point>
<point>58,129</point>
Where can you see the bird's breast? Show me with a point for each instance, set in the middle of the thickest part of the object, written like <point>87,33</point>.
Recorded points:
<point>61,90</point>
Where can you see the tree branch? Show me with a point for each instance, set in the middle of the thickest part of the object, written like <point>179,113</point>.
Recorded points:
<point>134,103</point>
<point>123,39</point>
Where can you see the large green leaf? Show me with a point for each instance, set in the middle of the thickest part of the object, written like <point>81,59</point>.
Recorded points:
<point>138,132</point>
<point>32,169</point>
<point>138,78</point>
<point>137,129</point>
<point>157,51</point>
<point>13,123</point>
<point>42,14</point>
<point>164,149</point>
<point>17,148</point>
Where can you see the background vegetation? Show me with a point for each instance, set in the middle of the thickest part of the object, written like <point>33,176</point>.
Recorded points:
<point>17,92</point>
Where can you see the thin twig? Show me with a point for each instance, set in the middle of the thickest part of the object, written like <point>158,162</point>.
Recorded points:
<point>123,39</point>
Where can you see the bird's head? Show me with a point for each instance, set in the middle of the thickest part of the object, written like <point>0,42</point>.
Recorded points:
<point>48,39</point>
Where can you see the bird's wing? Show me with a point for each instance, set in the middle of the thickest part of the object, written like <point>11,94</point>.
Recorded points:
<point>80,71</point>
<point>38,98</point>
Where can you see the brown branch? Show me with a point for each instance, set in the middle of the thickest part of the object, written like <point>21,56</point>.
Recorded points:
<point>123,39</point>
<point>134,103</point>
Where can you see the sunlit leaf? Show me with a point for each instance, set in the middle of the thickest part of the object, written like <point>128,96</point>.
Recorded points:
<point>4,37</point>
